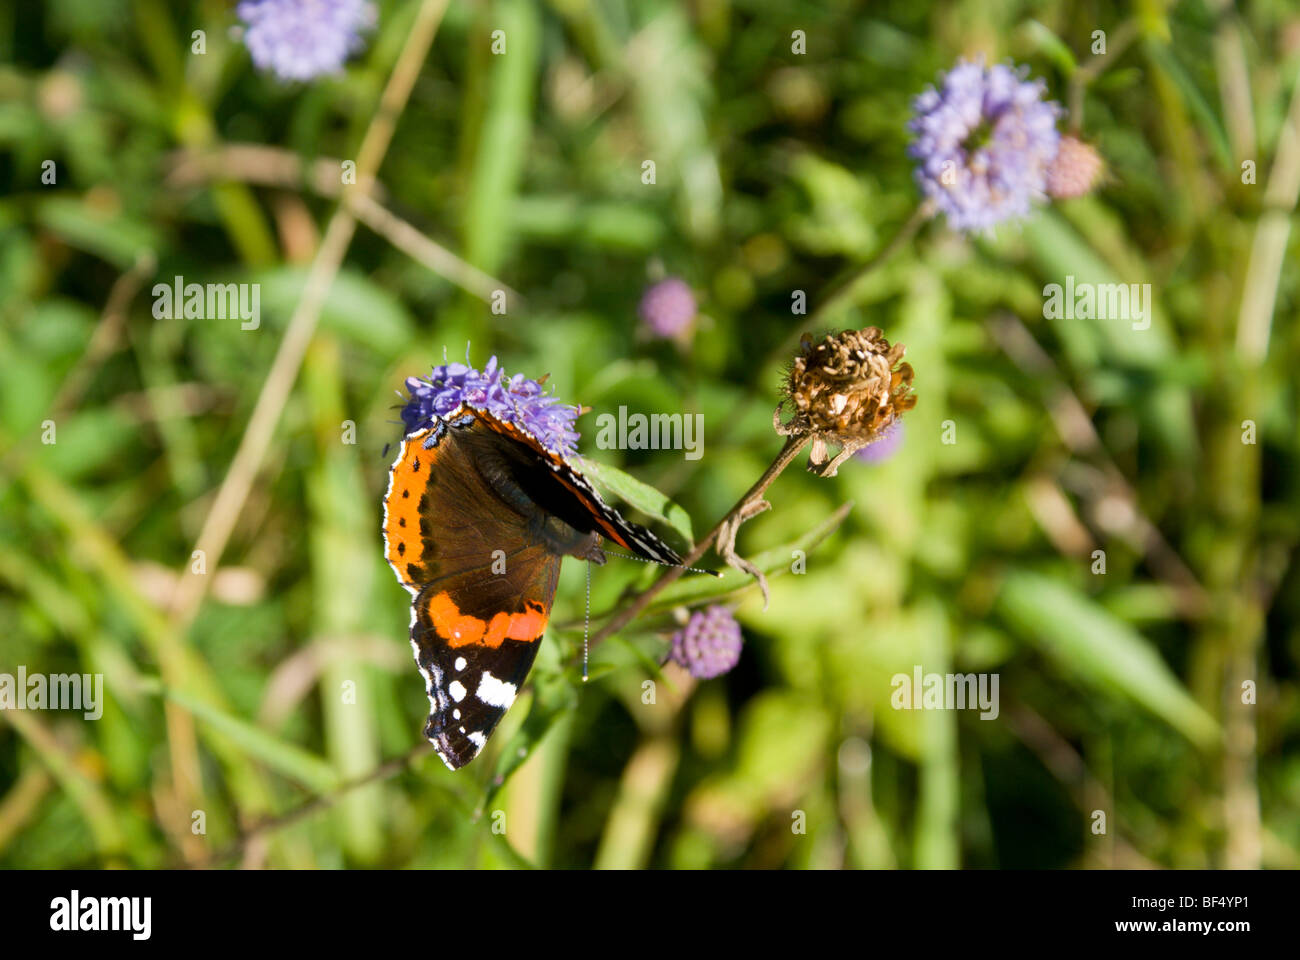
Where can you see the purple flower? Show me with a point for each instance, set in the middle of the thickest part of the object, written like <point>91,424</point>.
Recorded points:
<point>301,39</point>
<point>516,400</point>
<point>709,645</point>
<point>984,141</point>
<point>667,308</point>
<point>884,446</point>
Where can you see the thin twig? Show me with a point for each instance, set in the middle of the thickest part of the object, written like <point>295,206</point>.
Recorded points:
<point>258,163</point>
<point>793,445</point>
<point>828,526</point>
<point>276,167</point>
<point>234,490</point>
<point>1075,428</point>
<point>424,250</point>
<point>1120,38</point>
<point>105,339</point>
<point>382,772</point>
<point>845,289</point>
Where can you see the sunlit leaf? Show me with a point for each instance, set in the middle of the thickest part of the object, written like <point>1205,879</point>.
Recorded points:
<point>644,497</point>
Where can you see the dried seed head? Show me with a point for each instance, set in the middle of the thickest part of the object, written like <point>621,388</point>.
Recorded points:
<point>847,390</point>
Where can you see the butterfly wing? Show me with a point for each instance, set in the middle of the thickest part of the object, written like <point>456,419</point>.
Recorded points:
<point>474,642</point>
<point>477,517</point>
<point>482,559</point>
<point>604,518</point>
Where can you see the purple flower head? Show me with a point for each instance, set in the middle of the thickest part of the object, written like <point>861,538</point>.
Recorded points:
<point>667,308</point>
<point>884,446</point>
<point>302,39</point>
<point>984,141</point>
<point>516,400</point>
<point>709,645</point>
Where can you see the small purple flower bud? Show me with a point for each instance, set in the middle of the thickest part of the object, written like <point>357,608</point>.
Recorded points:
<point>667,308</point>
<point>1075,170</point>
<point>709,645</point>
<point>884,446</point>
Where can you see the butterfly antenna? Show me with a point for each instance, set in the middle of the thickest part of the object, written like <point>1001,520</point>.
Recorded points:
<point>664,563</point>
<point>586,626</point>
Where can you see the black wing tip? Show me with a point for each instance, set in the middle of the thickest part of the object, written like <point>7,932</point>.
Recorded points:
<point>454,755</point>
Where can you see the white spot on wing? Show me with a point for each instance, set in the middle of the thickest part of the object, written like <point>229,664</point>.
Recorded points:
<point>460,663</point>
<point>477,739</point>
<point>457,690</point>
<point>494,692</point>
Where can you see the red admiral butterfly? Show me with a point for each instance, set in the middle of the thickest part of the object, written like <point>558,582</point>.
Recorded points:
<point>477,517</point>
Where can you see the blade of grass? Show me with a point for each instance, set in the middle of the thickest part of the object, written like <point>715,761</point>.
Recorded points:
<point>1091,644</point>
<point>285,758</point>
<point>342,543</point>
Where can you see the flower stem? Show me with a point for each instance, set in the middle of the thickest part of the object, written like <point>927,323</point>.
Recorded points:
<point>844,289</point>
<point>793,445</point>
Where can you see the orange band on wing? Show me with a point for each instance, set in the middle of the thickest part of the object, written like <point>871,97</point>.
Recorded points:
<point>462,630</point>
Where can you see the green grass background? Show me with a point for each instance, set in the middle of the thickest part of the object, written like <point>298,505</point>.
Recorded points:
<point>775,172</point>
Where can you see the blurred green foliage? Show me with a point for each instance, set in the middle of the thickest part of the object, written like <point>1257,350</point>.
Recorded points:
<point>775,172</point>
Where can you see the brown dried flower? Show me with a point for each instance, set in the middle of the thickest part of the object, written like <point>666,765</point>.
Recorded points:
<point>846,390</point>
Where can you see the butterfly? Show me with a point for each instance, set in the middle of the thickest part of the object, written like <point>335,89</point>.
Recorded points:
<point>478,515</point>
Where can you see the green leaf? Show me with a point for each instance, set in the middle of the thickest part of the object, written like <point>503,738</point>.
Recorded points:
<point>118,239</point>
<point>1088,642</point>
<point>553,697</point>
<point>1051,46</point>
<point>640,495</point>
